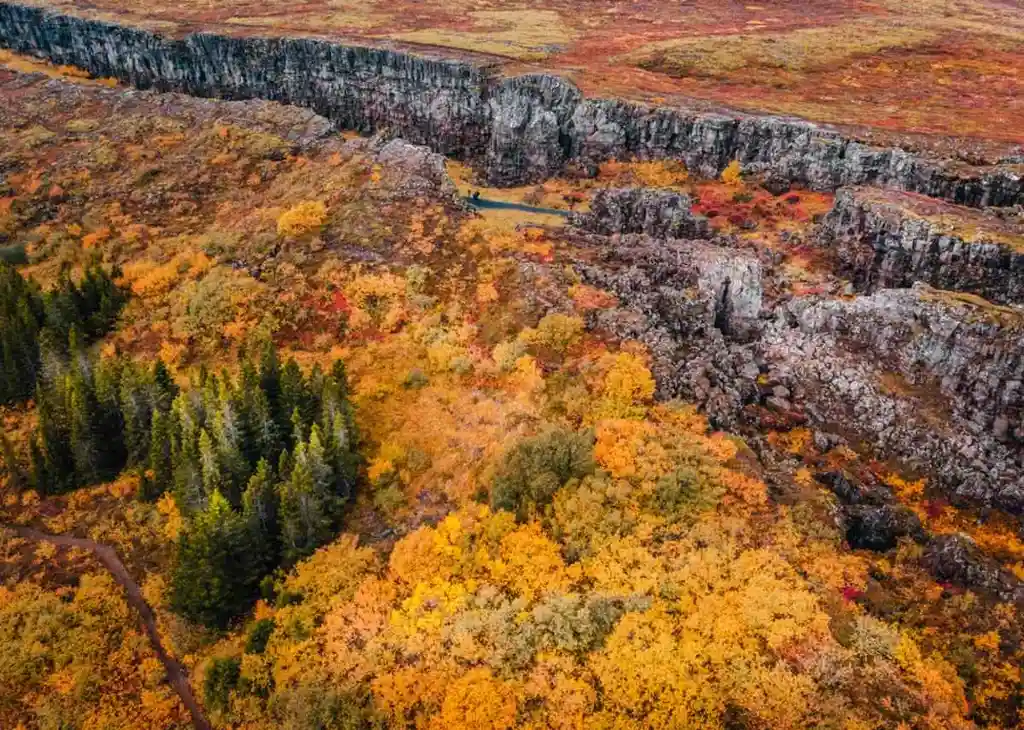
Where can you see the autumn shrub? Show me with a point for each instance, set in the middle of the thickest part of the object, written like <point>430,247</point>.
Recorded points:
<point>77,658</point>
<point>685,492</point>
<point>732,174</point>
<point>555,332</point>
<point>320,706</point>
<point>538,467</point>
<point>202,309</point>
<point>258,636</point>
<point>505,354</point>
<point>221,678</point>
<point>302,219</point>
<point>628,387</point>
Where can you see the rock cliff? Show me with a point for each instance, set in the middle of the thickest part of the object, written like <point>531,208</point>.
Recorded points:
<point>653,211</point>
<point>883,240</point>
<point>931,378</point>
<point>517,129</point>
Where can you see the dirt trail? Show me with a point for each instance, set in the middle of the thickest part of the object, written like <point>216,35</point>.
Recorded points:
<point>108,556</point>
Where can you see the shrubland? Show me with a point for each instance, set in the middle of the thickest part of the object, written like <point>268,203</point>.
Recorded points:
<point>373,464</point>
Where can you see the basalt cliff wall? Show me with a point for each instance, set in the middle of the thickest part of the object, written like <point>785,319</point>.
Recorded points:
<point>517,129</point>
<point>878,243</point>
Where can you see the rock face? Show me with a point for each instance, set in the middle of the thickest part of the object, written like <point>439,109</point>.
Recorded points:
<point>928,377</point>
<point>957,559</point>
<point>516,129</point>
<point>870,514</point>
<point>422,172</point>
<point>653,211</point>
<point>883,239</point>
<point>694,304</point>
<point>880,528</point>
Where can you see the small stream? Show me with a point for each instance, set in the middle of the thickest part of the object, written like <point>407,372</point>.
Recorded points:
<point>484,203</point>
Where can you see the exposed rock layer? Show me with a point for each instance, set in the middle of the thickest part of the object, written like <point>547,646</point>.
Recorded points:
<point>517,129</point>
<point>652,211</point>
<point>923,376</point>
<point>880,241</point>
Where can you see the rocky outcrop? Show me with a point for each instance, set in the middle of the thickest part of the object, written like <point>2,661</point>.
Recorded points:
<point>421,172</point>
<point>880,528</point>
<point>957,559</point>
<point>516,129</point>
<point>689,286</point>
<point>970,350</point>
<point>930,378</point>
<point>655,212</point>
<point>870,515</point>
<point>694,304</point>
<point>883,240</point>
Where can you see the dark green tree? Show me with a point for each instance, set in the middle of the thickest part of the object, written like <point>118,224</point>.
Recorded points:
<point>214,578</point>
<point>221,678</point>
<point>159,476</point>
<point>535,468</point>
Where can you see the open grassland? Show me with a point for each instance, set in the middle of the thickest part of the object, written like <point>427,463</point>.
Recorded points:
<point>948,68</point>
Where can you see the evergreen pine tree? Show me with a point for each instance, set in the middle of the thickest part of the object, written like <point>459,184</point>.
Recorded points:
<point>305,514</point>
<point>160,473</point>
<point>214,576</point>
<point>260,510</point>
<point>209,466</point>
<point>166,390</point>
<point>293,402</point>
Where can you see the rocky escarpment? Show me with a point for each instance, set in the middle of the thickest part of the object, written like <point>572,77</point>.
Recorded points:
<point>882,240</point>
<point>694,304</point>
<point>921,375</point>
<point>517,129</point>
<point>927,377</point>
<point>653,211</point>
<point>873,519</point>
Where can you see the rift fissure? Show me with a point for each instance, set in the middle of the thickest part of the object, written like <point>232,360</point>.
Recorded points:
<point>515,129</point>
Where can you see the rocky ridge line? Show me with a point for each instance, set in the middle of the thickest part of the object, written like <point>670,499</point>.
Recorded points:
<point>518,129</point>
<point>880,241</point>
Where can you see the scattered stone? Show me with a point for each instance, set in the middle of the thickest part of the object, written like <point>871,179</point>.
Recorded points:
<point>879,528</point>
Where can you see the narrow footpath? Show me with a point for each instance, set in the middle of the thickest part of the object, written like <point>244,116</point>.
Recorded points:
<point>108,556</point>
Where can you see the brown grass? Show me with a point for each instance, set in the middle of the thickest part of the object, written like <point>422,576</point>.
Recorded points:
<point>526,35</point>
<point>798,51</point>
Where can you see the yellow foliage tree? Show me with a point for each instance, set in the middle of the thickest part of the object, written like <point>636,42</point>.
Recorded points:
<point>302,219</point>
<point>731,175</point>
<point>628,387</point>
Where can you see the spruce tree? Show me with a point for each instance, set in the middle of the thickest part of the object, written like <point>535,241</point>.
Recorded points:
<point>209,465</point>
<point>305,508</point>
<point>214,576</point>
<point>260,510</point>
<point>165,389</point>
<point>160,473</point>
